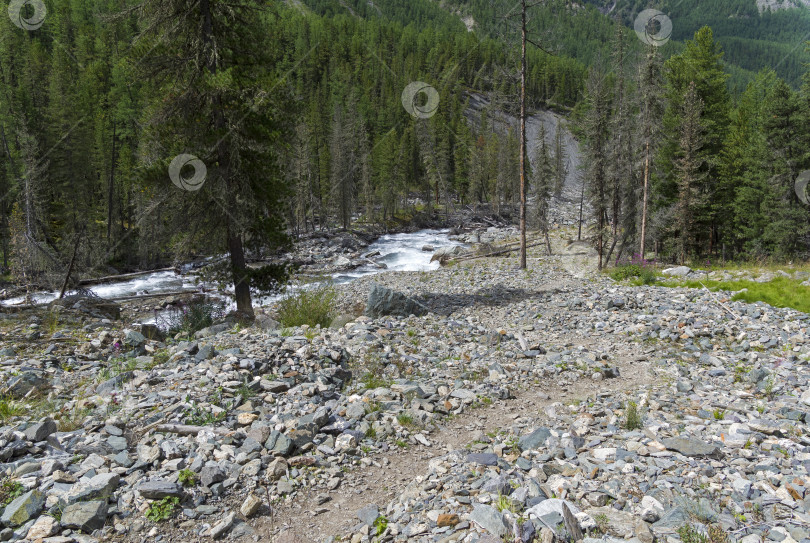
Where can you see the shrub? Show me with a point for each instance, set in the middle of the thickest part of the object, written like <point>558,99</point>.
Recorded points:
<point>636,268</point>
<point>632,419</point>
<point>191,317</point>
<point>312,307</point>
<point>162,509</point>
<point>187,477</point>
<point>9,490</point>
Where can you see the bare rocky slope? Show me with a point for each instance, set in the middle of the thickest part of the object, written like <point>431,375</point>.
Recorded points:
<point>540,405</point>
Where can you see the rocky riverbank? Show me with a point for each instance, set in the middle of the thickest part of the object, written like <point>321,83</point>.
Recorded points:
<point>543,405</point>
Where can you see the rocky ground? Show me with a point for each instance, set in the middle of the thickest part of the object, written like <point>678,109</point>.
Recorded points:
<point>506,405</point>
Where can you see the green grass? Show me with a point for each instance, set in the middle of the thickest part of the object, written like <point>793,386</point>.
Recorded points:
<point>636,272</point>
<point>9,409</point>
<point>781,292</point>
<point>312,307</point>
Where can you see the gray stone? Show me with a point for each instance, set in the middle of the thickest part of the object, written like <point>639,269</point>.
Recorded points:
<point>157,490</point>
<point>369,514</point>
<point>99,487</point>
<point>85,516</point>
<point>534,440</point>
<point>279,443</point>
<point>21,385</point>
<point>485,459</point>
<point>689,446</point>
<point>383,301</point>
<point>23,508</point>
<point>490,519</point>
<point>134,339</point>
<point>40,430</point>
<point>222,527</point>
<point>115,383</point>
<point>678,271</point>
<point>211,475</point>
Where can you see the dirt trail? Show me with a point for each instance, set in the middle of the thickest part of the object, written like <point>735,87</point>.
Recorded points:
<point>307,517</point>
<point>303,520</point>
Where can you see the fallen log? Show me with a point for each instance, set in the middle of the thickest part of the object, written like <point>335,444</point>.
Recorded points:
<point>120,277</point>
<point>498,252</point>
<point>151,295</point>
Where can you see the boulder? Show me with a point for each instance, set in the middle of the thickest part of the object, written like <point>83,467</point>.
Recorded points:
<point>41,430</point>
<point>85,516</point>
<point>691,446</point>
<point>383,301</point>
<point>21,385</point>
<point>23,508</point>
<point>678,271</point>
<point>490,519</point>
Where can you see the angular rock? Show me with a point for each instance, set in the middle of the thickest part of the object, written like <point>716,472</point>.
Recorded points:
<point>41,430</point>
<point>99,487</point>
<point>689,446</point>
<point>157,489</point>
<point>383,301</point>
<point>23,508</point>
<point>490,519</point>
<point>369,514</point>
<point>534,440</point>
<point>85,516</point>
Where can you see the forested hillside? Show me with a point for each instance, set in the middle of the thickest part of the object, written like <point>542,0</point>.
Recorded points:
<point>87,140</point>
<point>274,121</point>
<point>753,38</point>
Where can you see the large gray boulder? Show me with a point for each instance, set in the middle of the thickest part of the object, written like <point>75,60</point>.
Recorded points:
<point>383,301</point>
<point>85,516</point>
<point>23,509</point>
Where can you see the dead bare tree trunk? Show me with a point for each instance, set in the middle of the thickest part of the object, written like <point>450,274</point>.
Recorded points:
<point>523,136</point>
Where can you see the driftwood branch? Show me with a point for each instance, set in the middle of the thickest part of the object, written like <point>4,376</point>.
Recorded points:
<point>718,302</point>
<point>189,430</point>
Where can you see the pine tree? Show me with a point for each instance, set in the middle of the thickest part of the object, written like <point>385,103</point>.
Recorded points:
<point>542,182</point>
<point>210,77</point>
<point>688,165</point>
<point>596,129</point>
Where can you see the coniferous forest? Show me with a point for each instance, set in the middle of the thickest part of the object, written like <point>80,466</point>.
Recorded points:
<point>289,118</point>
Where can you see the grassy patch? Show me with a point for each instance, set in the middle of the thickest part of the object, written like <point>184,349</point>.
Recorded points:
<point>781,292</point>
<point>312,307</point>
<point>637,272</point>
<point>192,317</point>
<point>9,409</point>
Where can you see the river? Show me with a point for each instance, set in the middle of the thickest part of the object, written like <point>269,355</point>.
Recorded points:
<point>399,252</point>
